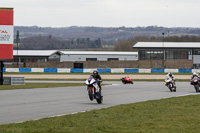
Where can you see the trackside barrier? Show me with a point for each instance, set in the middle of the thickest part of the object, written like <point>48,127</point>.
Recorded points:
<point>157,70</point>
<point>63,70</point>
<point>76,71</point>
<point>171,70</point>
<point>117,70</point>
<point>104,70</point>
<point>196,70</point>
<point>88,70</point>
<point>185,70</point>
<point>144,70</point>
<point>37,70</point>
<point>13,81</point>
<point>12,69</point>
<point>50,70</point>
<point>24,69</point>
<point>131,70</point>
<point>113,70</point>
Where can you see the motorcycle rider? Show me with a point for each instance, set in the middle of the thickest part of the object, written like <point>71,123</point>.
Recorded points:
<point>195,75</point>
<point>97,77</point>
<point>170,75</point>
<point>127,79</point>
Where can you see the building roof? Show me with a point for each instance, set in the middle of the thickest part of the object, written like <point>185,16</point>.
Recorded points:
<point>97,53</point>
<point>34,52</point>
<point>180,45</point>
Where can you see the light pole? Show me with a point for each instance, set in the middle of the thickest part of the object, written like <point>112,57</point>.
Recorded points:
<point>17,41</point>
<point>163,40</point>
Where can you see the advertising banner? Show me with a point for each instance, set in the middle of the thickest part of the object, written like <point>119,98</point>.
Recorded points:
<point>6,33</point>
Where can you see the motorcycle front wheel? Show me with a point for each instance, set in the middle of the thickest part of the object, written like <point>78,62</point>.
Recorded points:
<point>170,87</point>
<point>91,95</point>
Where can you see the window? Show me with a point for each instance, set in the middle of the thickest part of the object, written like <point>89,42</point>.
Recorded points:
<point>151,55</point>
<point>91,59</point>
<point>169,55</point>
<point>196,52</point>
<point>109,59</point>
<point>176,54</point>
<point>78,65</point>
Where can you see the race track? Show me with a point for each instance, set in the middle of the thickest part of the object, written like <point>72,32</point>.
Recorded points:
<point>31,104</point>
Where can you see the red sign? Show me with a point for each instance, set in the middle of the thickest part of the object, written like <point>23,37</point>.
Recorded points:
<point>6,33</point>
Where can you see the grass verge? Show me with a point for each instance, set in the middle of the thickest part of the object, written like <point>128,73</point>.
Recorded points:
<point>172,115</point>
<point>38,85</point>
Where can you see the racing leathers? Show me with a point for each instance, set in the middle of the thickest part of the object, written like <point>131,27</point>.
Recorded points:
<point>98,79</point>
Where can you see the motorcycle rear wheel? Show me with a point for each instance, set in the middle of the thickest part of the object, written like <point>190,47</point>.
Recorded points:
<point>99,99</point>
<point>175,89</point>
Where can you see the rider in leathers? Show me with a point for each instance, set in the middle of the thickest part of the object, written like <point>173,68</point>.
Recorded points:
<point>97,77</point>
<point>195,75</point>
<point>170,75</point>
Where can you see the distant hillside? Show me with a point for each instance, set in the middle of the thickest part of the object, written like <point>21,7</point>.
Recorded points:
<point>108,36</point>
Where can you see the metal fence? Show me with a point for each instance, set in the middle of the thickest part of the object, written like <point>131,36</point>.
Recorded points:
<point>13,81</point>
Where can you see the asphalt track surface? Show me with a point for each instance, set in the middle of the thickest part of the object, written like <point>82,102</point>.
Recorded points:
<point>31,104</point>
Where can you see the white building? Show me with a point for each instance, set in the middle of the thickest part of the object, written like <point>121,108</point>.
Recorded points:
<point>72,56</point>
<point>35,55</point>
<point>97,56</point>
<point>169,51</point>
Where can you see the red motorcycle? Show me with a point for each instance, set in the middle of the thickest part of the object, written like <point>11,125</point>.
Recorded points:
<point>126,80</point>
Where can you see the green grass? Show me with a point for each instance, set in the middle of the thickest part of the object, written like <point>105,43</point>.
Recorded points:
<point>172,115</point>
<point>38,85</point>
<point>100,73</point>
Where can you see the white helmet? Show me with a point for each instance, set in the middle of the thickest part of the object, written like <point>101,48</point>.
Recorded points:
<point>194,73</point>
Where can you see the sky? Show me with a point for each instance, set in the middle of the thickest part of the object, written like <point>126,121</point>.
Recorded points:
<point>105,13</point>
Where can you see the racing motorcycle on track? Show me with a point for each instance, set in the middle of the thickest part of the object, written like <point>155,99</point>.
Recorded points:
<point>170,84</point>
<point>126,80</point>
<point>94,90</point>
<point>195,82</point>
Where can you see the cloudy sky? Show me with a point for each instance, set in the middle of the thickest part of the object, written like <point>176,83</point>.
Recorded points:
<point>105,13</point>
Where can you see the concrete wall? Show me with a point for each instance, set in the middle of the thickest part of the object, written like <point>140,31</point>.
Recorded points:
<point>182,64</point>
<point>169,64</point>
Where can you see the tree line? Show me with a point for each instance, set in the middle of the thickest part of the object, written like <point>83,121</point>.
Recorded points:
<point>52,43</point>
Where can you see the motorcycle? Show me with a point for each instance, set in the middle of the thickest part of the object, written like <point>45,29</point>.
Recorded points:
<point>94,91</point>
<point>126,82</point>
<point>170,84</point>
<point>195,82</point>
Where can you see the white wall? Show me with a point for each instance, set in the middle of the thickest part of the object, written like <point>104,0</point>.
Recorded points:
<point>99,57</point>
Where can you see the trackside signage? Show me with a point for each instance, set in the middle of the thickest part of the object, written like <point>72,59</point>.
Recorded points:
<point>6,33</point>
